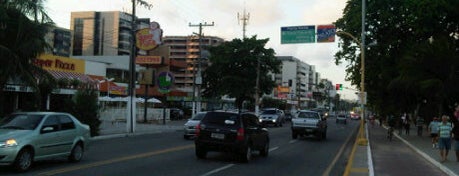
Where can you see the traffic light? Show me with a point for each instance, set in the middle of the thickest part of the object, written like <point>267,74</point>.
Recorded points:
<point>339,87</point>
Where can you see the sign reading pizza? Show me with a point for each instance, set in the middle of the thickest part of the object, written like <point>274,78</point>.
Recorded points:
<point>149,38</point>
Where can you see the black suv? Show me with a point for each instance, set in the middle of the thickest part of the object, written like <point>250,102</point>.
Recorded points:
<point>239,133</point>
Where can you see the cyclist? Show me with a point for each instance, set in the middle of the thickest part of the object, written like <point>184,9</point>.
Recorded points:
<point>391,122</point>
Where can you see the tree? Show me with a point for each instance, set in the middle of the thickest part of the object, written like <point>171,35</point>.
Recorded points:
<point>21,41</point>
<point>233,69</point>
<point>399,68</point>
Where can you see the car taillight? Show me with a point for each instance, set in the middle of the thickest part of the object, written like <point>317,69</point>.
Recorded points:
<point>240,134</point>
<point>198,129</point>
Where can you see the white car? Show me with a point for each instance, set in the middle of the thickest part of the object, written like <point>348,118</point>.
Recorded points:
<point>26,137</point>
<point>190,125</point>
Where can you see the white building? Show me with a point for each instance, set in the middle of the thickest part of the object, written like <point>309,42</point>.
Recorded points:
<point>299,79</point>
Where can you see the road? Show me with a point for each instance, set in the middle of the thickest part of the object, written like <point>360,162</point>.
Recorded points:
<point>169,154</point>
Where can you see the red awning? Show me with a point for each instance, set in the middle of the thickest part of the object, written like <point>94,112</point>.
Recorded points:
<point>70,76</point>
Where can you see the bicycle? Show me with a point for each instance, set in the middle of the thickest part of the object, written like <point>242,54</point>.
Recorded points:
<point>390,133</point>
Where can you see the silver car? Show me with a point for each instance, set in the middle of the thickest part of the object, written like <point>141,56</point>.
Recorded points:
<point>26,137</point>
<point>190,125</point>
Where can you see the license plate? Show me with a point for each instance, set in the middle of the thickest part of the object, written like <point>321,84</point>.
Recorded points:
<point>308,130</point>
<point>217,135</point>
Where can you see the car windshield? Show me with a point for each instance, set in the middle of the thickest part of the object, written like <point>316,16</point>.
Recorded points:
<point>309,115</point>
<point>269,112</point>
<point>198,116</point>
<point>21,122</point>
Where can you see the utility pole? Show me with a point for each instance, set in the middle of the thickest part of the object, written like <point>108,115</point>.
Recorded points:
<point>197,78</point>
<point>245,20</point>
<point>131,88</point>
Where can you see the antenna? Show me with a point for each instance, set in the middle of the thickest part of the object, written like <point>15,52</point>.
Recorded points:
<point>245,20</point>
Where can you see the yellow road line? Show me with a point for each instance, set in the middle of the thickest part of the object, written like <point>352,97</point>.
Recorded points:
<point>105,162</point>
<point>329,168</point>
<point>360,170</point>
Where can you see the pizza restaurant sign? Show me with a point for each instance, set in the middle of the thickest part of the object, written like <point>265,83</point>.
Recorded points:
<point>58,63</point>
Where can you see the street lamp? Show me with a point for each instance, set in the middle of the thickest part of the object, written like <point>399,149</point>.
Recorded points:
<point>362,139</point>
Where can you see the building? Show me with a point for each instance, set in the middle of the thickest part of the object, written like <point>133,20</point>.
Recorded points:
<point>60,41</point>
<point>102,33</point>
<point>296,82</point>
<point>186,49</point>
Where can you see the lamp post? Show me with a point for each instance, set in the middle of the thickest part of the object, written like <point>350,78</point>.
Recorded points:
<point>362,139</point>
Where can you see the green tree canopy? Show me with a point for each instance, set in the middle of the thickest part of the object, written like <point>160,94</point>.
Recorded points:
<point>411,53</point>
<point>21,41</point>
<point>233,69</point>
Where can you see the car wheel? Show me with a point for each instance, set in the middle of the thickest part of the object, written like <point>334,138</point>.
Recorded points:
<point>23,160</point>
<point>186,137</point>
<point>246,156</point>
<point>77,153</point>
<point>200,152</point>
<point>264,152</point>
<point>294,135</point>
<point>280,124</point>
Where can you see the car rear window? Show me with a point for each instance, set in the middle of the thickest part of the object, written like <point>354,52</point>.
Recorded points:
<point>309,115</point>
<point>198,116</point>
<point>221,118</point>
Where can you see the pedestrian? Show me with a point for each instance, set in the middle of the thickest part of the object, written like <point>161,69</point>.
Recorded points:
<point>444,142</point>
<point>419,125</point>
<point>456,132</point>
<point>407,126</point>
<point>433,129</point>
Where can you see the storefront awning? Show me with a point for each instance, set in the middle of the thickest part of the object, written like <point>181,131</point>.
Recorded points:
<point>70,76</point>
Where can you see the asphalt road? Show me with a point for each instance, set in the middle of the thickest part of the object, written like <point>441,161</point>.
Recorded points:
<point>169,154</point>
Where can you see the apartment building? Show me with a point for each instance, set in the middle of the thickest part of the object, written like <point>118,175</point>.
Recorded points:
<point>296,82</point>
<point>186,49</point>
<point>102,33</point>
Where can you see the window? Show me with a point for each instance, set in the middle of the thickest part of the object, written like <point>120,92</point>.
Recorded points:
<point>310,115</point>
<point>66,122</point>
<point>52,121</point>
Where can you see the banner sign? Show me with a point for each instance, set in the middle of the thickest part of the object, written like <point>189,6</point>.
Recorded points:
<point>326,33</point>
<point>59,63</point>
<point>153,60</point>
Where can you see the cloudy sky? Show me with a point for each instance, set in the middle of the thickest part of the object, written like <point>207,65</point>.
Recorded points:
<point>265,20</point>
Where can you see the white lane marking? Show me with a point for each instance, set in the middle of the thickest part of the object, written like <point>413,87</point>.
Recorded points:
<point>229,165</point>
<point>218,169</point>
<point>292,141</point>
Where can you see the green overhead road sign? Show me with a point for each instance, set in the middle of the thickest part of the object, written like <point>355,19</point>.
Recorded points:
<point>298,34</point>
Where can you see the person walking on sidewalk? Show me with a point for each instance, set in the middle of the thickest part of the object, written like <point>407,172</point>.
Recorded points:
<point>456,132</point>
<point>406,124</point>
<point>419,125</point>
<point>444,142</point>
<point>433,129</point>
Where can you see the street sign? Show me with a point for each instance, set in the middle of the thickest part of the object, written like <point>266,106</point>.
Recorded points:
<point>298,34</point>
<point>326,33</point>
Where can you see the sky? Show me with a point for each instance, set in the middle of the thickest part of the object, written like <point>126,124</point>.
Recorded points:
<point>265,20</point>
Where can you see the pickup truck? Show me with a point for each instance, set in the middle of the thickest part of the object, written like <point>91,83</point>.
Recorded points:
<point>309,123</point>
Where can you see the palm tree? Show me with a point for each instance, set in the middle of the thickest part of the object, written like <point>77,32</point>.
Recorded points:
<point>21,41</point>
